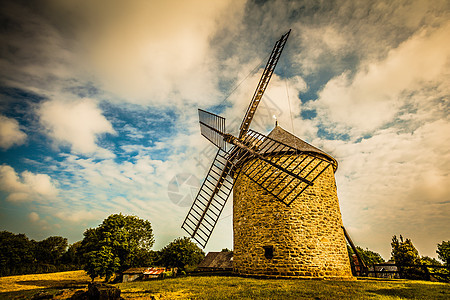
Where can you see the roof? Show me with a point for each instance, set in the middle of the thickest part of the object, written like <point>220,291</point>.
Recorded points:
<point>218,260</point>
<point>285,137</point>
<point>153,271</point>
<point>144,270</point>
<point>135,270</point>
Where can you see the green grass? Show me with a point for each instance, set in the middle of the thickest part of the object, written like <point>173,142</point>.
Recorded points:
<point>61,284</point>
<point>248,288</point>
<point>64,284</point>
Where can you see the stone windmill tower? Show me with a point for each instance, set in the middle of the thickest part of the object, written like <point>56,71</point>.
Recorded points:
<point>286,217</point>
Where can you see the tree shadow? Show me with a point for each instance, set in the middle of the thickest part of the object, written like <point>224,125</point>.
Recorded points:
<point>53,283</point>
<point>404,292</point>
<point>28,294</point>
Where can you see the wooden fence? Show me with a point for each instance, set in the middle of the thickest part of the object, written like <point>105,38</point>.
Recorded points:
<point>424,271</point>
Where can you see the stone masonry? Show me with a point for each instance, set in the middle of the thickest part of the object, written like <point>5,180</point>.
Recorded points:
<point>304,240</point>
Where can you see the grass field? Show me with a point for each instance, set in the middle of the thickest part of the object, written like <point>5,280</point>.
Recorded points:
<point>61,284</point>
<point>64,284</point>
<point>249,288</point>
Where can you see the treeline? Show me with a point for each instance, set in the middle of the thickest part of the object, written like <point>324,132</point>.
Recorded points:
<point>118,243</point>
<point>121,242</point>
<point>20,255</point>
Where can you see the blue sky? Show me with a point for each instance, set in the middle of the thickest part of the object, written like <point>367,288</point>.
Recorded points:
<point>98,109</point>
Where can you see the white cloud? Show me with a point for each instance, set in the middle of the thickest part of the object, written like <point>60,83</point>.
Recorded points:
<point>76,123</point>
<point>176,53</point>
<point>395,183</point>
<point>375,94</point>
<point>10,133</point>
<point>33,216</point>
<point>317,42</point>
<point>49,65</point>
<point>27,186</point>
<point>280,99</point>
<point>163,56</point>
<point>78,215</point>
<point>132,132</point>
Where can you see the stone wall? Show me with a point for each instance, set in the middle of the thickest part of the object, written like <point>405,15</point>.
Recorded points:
<point>303,240</point>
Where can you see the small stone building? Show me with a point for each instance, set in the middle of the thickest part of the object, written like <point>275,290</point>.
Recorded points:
<point>217,261</point>
<point>303,240</point>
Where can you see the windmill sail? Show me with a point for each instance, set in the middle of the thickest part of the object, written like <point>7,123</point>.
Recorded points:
<point>210,200</point>
<point>212,127</point>
<point>284,176</point>
<point>218,184</point>
<point>262,85</point>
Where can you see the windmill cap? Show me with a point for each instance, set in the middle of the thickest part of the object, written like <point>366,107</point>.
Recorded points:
<point>285,137</point>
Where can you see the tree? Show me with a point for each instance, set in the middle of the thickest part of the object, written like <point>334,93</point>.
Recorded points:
<point>72,256</point>
<point>116,245</point>
<point>50,250</point>
<point>443,251</point>
<point>180,253</point>
<point>16,253</point>
<point>426,260</point>
<point>368,256</point>
<point>404,253</point>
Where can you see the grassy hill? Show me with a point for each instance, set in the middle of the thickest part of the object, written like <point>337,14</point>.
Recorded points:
<point>62,285</point>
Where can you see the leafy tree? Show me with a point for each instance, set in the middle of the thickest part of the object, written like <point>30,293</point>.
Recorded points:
<point>180,253</point>
<point>404,253</point>
<point>50,250</point>
<point>439,274</point>
<point>16,253</point>
<point>147,258</point>
<point>103,262</point>
<point>119,243</point>
<point>72,256</point>
<point>426,260</point>
<point>370,257</point>
<point>443,251</point>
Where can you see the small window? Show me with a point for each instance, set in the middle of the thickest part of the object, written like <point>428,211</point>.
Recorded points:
<point>268,252</point>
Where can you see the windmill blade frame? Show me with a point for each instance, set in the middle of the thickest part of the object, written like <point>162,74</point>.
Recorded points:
<point>218,184</point>
<point>263,82</point>
<point>273,167</point>
<point>212,127</point>
<point>210,200</point>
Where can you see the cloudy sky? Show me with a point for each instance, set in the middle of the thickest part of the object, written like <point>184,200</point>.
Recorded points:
<point>98,108</point>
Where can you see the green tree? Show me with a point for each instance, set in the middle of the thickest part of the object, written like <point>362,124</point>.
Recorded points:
<point>180,253</point>
<point>16,253</point>
<point>443,251</point>
<point>50,250</point>
<point>426,260</point>
<point>71,256</point>
<point>119,243</point>
<point>368,256</point>
<point>404,253</point>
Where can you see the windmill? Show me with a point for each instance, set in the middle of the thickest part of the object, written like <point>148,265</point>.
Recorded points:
<point>271,177</point>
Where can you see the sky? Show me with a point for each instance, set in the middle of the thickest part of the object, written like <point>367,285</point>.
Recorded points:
<point>99,99</point>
